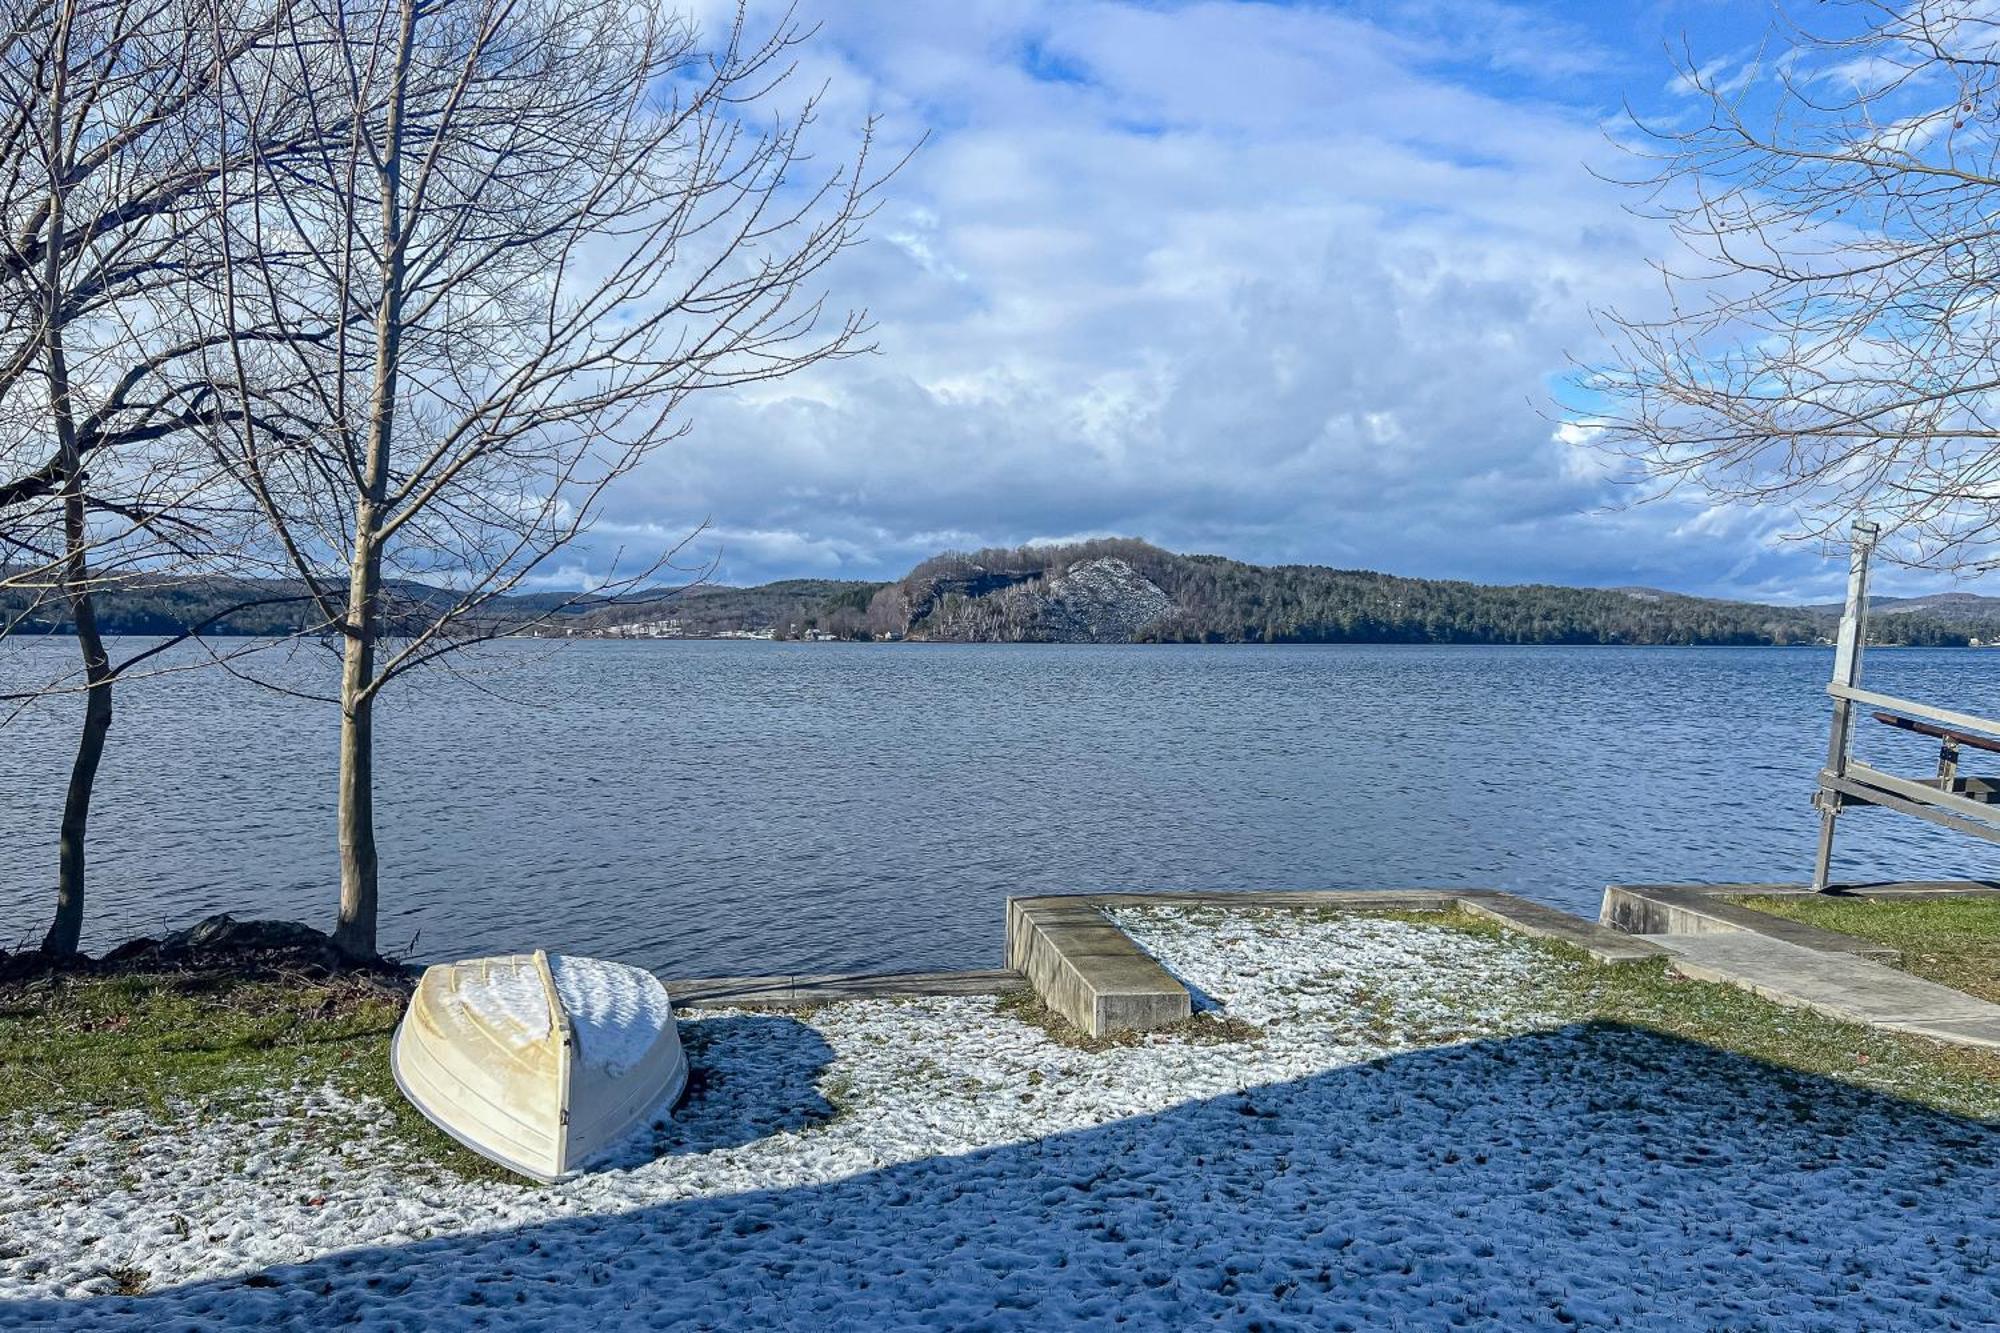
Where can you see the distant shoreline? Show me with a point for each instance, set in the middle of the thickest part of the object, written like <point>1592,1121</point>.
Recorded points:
<point>1111,590</point>
<point>49,635</point>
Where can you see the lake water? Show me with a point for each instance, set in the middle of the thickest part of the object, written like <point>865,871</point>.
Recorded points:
<point>716,808</point>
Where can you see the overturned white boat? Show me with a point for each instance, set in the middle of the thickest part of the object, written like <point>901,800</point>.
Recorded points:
<point>539,1061</point>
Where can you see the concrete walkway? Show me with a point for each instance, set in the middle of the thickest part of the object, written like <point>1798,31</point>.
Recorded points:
<point>1791,962</point>
<point>1840,985</point>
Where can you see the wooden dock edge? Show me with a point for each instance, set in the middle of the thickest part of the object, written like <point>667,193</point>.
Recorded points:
<point>794,990</point>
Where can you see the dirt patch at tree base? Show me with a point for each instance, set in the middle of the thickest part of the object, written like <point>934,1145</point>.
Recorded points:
<point>216,944</point>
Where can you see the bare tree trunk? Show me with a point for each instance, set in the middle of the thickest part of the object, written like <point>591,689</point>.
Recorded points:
<point>107,340</point>
<point>354,934</point>
<point>67,928</point>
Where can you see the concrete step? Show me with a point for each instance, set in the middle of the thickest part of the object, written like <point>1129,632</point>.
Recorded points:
<point>1843,986</point>
<point>1088,970</point>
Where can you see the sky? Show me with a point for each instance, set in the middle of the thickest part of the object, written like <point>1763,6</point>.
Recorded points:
<point>1287,283</point>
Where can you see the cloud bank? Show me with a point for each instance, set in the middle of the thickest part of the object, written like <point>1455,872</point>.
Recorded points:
<point>1286,284</point>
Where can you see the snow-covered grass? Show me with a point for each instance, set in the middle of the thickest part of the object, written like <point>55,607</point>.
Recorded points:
<point>1431,1125</point>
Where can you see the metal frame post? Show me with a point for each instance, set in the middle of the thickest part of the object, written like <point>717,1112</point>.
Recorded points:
<point>1846,671</point>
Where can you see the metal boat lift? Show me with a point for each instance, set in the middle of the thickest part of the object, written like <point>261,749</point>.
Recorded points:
<point>1966,804</point>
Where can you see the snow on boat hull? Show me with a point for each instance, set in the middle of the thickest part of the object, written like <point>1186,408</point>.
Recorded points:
<point>538,1063</point>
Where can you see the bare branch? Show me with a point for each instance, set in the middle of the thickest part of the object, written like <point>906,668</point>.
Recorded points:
<point>1830,340</point>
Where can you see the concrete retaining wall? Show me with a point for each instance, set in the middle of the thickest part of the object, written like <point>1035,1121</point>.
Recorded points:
<point>1091,972</point>
<point>1675,909</point>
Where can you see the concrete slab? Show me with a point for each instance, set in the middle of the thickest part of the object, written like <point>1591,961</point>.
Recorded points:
<point>1103,940</point>
<point>1602,943</point>
<point>1843,986</point>
<point>1982,1032</point>
<point>1660,909</point>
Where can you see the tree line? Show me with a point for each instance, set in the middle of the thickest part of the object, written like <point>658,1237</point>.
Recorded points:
<point>1218,600</point>
<point>992,595</point>
<point>355,310</point>
<point>237,607</point>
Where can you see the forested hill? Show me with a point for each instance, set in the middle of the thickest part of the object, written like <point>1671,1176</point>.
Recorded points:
<point>1120,590</point>
<point>1112,591</point>
<point>147,606</point>
<point>1224,599</point>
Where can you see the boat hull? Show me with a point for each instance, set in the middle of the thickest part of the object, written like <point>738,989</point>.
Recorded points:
<point>507,1082</point>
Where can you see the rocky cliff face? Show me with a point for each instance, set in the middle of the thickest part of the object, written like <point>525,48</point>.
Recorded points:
<point>1103,600</point>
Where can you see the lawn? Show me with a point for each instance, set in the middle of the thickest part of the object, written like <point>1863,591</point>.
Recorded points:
<point>1525,984</point>
<point>72,1045</point>
<point>1376,1121</point>
<point>1952,941</point>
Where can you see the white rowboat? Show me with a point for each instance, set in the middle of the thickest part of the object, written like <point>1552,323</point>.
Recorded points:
<point>538,1062</point>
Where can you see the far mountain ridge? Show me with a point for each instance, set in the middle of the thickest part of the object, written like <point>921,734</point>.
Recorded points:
<point>1954,606</point>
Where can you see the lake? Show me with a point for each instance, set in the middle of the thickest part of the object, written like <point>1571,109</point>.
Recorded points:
<point>713,808</point>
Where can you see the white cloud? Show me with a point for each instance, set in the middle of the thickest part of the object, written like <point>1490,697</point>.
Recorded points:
<point>1280,283</point>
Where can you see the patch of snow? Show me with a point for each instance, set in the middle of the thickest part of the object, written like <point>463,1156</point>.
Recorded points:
<point>508,994</point>
<point>1410,1143</point>
<point>1400,983</point>
<point>618,1011</point>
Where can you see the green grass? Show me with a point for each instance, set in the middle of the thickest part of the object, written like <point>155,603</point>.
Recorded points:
<point>1962,1080</point>
<point>1952,941</point>
<point>71,1046</point>
<point>82,1042</point>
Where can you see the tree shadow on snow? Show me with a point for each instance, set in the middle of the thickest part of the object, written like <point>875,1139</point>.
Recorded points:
<point>1593,1174</point>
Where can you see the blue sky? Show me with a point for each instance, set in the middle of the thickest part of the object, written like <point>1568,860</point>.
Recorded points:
<point>1282,282</point>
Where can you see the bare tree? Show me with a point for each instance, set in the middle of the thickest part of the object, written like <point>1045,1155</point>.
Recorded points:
<point>109,153</point>
<point>1832,337</point>
<point>548,224</point>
